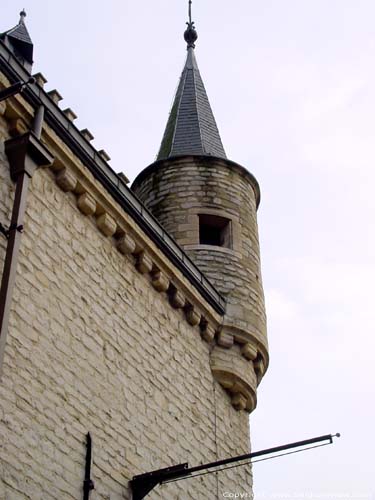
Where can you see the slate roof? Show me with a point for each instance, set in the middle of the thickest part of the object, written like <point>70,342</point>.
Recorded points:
<point>191,126</point>
<point>20,39</point>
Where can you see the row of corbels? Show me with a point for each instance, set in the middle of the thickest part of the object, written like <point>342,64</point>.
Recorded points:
<point>127,245</point>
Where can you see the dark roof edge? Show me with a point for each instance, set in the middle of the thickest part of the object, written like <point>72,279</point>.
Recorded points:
<point>67,131</point>
<point>216,159</point>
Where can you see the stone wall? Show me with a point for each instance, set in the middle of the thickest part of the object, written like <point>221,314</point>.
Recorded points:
<point>177,191</point>
<point>92,346</point>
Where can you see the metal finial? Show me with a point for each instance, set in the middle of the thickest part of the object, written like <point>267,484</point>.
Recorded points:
<point>190,34</point>
<point>22,16</point>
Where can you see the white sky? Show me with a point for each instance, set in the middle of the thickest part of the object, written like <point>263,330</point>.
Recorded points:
<point>291,84</point>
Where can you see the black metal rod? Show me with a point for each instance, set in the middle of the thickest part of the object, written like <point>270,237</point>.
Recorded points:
<point>14,89</point>
<point>11,259</point>
<point>144,483</point>
<point>14,242</point>
<point>298,444</point>
<point>88,484</point>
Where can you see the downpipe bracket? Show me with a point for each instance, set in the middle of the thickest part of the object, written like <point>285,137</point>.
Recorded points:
<point>12,227</point>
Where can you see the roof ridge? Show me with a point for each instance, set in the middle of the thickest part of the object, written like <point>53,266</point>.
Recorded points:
<point>183,76</point>
<point>196,104</point>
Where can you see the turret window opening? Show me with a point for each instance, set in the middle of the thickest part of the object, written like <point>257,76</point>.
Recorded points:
<point>215,230</point>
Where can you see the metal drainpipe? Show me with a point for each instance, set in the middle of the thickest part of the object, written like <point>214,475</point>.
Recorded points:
<point>25,153</point>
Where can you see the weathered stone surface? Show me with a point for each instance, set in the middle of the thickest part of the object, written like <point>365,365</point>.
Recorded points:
<point>144,263</point>
<point>160,281</point>
<point>189,186</point>
<point>192,315</point>
<point>92,346</point>
<point>225,339</point>
<point>180,192</point>
<point>106,224</point>
<point>249,351</point>
<point>66,180</point>
<point>177,299</point>
<point>239,401</point>
<point>69,113</point>
<point>86,204</point>
<point>236,375</point>
<point>259,368</point>
<point>41,80</point>
<point>87,134</point>
<point>55,96</point>
<point>126,245</point>
<point>207,332</point>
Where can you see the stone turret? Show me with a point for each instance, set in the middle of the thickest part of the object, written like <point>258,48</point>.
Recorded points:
<point>209,204</point>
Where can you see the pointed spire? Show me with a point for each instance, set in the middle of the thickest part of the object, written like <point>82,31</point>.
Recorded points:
<point>19,41</point>
<point>191,127</point>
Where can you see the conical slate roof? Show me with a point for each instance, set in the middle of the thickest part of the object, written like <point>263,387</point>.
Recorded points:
<point>19,39</point>
<point>191,127</point>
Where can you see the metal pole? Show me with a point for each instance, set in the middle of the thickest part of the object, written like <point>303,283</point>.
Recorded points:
<point>248,456</point>
<point>22,166</point>
<point>11,258</point>
<point>14,89</point>
<point>88,484</point>
<point>38,121</point>
<point>142,484</point>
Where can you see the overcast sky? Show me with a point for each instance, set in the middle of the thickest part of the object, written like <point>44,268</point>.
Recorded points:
<point>292,87</point>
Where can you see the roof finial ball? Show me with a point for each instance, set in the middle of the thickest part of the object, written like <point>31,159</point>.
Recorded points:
<point>22,16</point>
<point>190,34</point>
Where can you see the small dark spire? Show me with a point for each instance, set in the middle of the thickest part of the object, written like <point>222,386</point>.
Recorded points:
<point>191,128</point>
<point>18,40</point>
<point>190,34</point>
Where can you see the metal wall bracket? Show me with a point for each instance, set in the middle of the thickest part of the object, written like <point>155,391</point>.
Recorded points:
<point>142,485</point>
<point>12,227</point>
<point>14,89</point>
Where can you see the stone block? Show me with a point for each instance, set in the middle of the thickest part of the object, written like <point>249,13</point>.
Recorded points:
<point>193,316</point>
<point>86,204</point>
<point>207,332</point>
<point>126,245</point>
<point>66,180</point>
<point>225,339</point>
<point>160,281</point>
<point>144,263</point>
<point>55,96</point>
<point>249,352</point>
<point>106,224</point>
<point>177,299</point>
